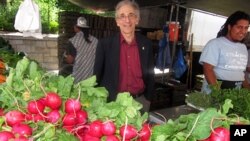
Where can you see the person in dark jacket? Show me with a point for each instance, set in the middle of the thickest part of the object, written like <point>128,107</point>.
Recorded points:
<point>124,62</point>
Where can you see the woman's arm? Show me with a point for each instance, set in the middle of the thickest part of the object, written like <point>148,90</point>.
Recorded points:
<point>209,74</point>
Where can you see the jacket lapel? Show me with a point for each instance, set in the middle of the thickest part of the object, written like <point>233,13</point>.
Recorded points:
<point>142,52</point>
<point>115,52</point>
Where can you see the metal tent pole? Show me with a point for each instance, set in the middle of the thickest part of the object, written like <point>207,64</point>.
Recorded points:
<point>175,36</point>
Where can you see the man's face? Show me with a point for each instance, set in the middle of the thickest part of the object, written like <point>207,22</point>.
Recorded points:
<point>238,31</point>
<point>127,19</point>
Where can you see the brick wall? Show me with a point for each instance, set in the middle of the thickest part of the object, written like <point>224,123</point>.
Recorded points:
<point>44,51</point>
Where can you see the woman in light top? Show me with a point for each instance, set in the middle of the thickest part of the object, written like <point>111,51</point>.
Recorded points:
<point>225,58</point>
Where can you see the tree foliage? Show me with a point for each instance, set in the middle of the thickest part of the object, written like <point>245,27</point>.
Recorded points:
<point>8,11</point>
<point>49,10</point>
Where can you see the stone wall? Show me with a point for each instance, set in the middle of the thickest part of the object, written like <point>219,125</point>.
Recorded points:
<point>44,51</point>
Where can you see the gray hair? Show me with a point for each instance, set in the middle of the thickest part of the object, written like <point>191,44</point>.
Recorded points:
<point>128,2</point>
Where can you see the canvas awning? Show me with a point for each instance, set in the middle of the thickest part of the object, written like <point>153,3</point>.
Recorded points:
<point>221,7</point>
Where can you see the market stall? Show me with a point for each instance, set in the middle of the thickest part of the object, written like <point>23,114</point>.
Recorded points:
<point>36,104</point>
<point>44,105</point>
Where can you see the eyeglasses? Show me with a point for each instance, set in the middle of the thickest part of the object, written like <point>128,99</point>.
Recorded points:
<point>123,17</point>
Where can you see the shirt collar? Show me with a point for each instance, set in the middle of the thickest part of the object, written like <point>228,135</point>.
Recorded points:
<point>122,39</point>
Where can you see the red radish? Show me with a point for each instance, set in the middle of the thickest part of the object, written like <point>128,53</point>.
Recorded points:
<point>53,100</point>
<point>1,112</point>
<point>81,117</point>
<point>53,116</point>
<point>69,119</point>
<point>28,117</point>
<point>21,138</point>
<point>35,107</point>
<point>112,138</point>
<point>81,130</point>
<point>88,137</point>
<point>145,132</point>
<point>34,117</point>
<point>128,132</point>
<point>220,134</point>
<point>108,128</point>
<point>42,100</point>
<point>6,136</point>
<point>68,128</point>
<point>38,117</point>
<point>14,117</point>
<point>72,106</point>
<point>22,129</point>
<point>95,129</point>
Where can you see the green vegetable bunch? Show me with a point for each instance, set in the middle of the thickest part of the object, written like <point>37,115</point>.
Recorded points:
<point>195,127</point>
<point>125,108</point>
<point>240,99</point>
<point>29,82</point>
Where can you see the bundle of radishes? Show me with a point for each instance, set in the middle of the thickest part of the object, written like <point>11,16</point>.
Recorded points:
<point>44,106</point>
<point>15,126</point>
<point>107,131</point>
<point>71,117</point>
<point>46,109</point>
<point>75,122</point>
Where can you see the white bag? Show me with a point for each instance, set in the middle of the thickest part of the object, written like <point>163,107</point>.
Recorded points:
<point>28,19</point>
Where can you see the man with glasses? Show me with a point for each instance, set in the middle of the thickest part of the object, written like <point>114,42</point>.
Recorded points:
<point>124,62</point>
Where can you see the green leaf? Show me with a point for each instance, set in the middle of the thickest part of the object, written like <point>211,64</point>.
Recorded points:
<point>33,70</point>
<point>115,109</point>
<point>100,91</point>
<point>21,66</point>
<point>103,112</point>
<point>201,124</point>
<point>90,82</point>
<point>2,120</point>
<point>137,105</point>
<point>124,99</point>
<point>64,136</point>
<point>160,138</point>
<point>131,111</point>
<point>181,136</point>
<point>228,104</point>
<point>9,79</point>
<point>50,132</point>
<point>161,132</point>
<point>65,85</point>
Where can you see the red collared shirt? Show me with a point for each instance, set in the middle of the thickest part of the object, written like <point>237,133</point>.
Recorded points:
<point>130,75</point>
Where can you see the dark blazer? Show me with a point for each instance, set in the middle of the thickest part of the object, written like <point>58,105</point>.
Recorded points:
<point>107,63</point>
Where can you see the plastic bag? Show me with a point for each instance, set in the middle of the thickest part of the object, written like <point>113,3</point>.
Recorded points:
<point>179,66</point>
<point>163,57</point>
<point>28,20</point>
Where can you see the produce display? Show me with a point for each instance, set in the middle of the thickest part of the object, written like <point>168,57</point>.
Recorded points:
<point>43,106</point>
<point>240,99</point>
<point>2,70</point>
<point>208,125</point>
<point>8,58</point>
<point>36,105</point>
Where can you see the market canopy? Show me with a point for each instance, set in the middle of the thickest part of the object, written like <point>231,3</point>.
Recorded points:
<point>221,7</point>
